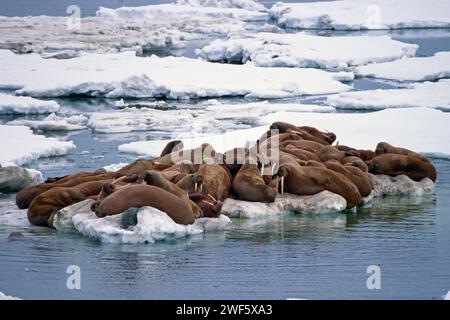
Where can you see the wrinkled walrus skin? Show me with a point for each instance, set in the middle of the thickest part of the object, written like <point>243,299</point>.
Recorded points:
<point>137,196</point>
<point>359,178</point>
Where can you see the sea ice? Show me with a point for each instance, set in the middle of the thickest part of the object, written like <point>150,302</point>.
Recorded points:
<point>21,146</point>
<point>426,94</point>
<point>14,178</point>
<point>10,104</point>
<point>53,123</point>
<point>410,69</point>
<point>242,4</point>
<point>126,75</point>
<point>144,225</point>
<point>363,14</point>
<point>6,297</point>
<point>302,50</point>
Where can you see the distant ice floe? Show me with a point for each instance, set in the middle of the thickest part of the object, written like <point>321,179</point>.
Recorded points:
<point>427,94</point>
<point>10,104</point>
<point>302,50</point>
<point>126,75</point>
<point>420,129</point>
<point>168,27</point>
<point>14,178</point>
<point>410,69</point>
<point>6,297</point>
<point>187,8</point>
<point>144,225</point>
<point>21,146</point>
<point>53,123</point>
<point>363,14</point>
<point>447,296</point>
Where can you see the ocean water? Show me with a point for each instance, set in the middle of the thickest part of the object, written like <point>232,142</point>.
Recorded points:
<point>292,256</point>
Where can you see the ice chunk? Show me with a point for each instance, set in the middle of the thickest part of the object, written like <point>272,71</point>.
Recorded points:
<point>242,4</point>
<point>400,185</point>
<point>126,75</point>
<point>447,296</point>
<point>21,146</point>
<point>6,297</point>
<point>53,123</point>
<point>144,225</point>
<point>63,218</point>
<point>14,178</point>
<point>115,166</point>
<point>363,14</point>
<point>182,10</point>
<point>10,104</point>
<point>323,202</point>
<point>302,50</point>
<point>427,94</point>
<point>410,69</point>
<point>419,129</point>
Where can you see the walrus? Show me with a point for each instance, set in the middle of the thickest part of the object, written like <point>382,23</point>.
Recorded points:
<point>284,127</point>
<point>216,180</point>
<point>183,167</point>
<point>45,205</point>
<point>300,153</point>
<point>307,145</point>
<point>309,180</point>
<point>364,155</point>
<point>248,185</point>
<point>137,196</point>
<point>155,178</point>
<point>359,178</point>
<point>355,162</point>
<point>137,167</point>
<point>396,164</point>
<point>384,147</point>
<point>329,137</point>
<point>234,159</point>
<point>331,153</point>
<point>172,146</point>
<point>204,152</point>
<point>26,196</point>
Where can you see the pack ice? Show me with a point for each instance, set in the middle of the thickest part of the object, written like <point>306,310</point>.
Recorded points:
<point>363,14</point>
<point>302,50</point>
<point>10,104</point>
<point>126,75</point>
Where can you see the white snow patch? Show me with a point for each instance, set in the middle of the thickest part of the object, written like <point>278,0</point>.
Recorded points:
<point>21,146</point>
<point>144,225</point>
<point>410,69</point>
<point>126,75</point>
<point>242,4</point>
<point>6,297</point>
<point>10,104</point>
<point>53,123</point>
<point>426,94</point>
<point>363,14</point>
<point>447,296</point>
<point>115,166</point>
<point>302,50</point>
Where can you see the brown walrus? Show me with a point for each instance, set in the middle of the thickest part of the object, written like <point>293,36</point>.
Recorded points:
<point>307,145</point>
<point>364,155</point>
<point>216,180</point>
<point>329,137</point>
<point>172,146</point>
<point>310,180</point>
<point>331,153</point>
<point>137,167</point>
<point>155,178</point>
<point>396,164</point>
<point>284,127</point>
<point>137,196</point>
<point>359,178</point>
<point>384,147</point>
<point>45,205</point>
<point>300,153</point>
<point>355,162</point>
<point>195,156</point>
<point>248,185</point>
<point>26,196</point>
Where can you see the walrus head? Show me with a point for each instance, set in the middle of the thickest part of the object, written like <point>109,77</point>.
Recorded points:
<point>209,206</point>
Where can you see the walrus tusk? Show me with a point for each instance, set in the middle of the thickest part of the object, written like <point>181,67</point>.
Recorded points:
<point>282,185</point>
<point>207,202</point>
<point>262,170</point>
<point>273,168</point>
<point>195,186</point>
<point>212,198</point>
<point>201,188</point>
<point>118,180</point>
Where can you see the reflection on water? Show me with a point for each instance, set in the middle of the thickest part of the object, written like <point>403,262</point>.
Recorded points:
<point>303,256</point>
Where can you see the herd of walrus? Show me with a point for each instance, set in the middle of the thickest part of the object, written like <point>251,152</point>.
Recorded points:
<point>306,163</point>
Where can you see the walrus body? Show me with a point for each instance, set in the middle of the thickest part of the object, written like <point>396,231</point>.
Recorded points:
<point>300,153</point>
<point>137,196</point>
<point>331,153</point>
<point>359,178</point>
<point>396,164</point>
<point>384,147</point>
<point>310,180</point>
<point>26,196</point>
<point>248,185</point>
<point>216,180</point>
<point>310,146</point>
<point>355,162</point>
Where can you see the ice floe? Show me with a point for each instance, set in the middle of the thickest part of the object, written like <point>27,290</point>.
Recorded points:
<point>410,69</point>
<point>126,75</point>
<point>363,14</point>
<point>426,94</point>
<point>420,129</point>
<point>323,202</point>
<point>10,104</point>
<point>6,297</point>
<point>53,123</point>
<point>144,225</point>
<point>21,146</point>
<point>242,4</point>
<point>181,10</point>
<point>15,178</point>
<point>302,50</point>
<point>447,296</point>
